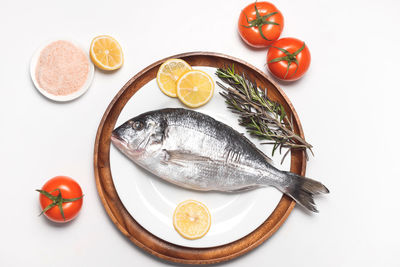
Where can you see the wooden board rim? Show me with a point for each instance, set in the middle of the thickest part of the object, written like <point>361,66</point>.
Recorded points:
<point>165,250</point>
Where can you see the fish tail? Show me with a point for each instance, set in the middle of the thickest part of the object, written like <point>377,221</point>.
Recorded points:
<point>303,189</point>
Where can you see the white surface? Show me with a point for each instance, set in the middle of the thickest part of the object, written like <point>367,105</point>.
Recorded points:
<point>152,201</point>
<point>60,98</point>
<point>347,102</point>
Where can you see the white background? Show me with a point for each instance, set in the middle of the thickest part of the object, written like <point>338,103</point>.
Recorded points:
<point>347,102</point>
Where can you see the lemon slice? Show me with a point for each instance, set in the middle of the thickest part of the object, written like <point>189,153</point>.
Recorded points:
<point>106,53</point>
<point>192,220</point>
<point>169,73</point>
<point>195,88</point>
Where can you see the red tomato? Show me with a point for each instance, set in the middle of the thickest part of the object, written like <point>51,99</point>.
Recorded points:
<point>61,191</point>
<point>260,24</point>
<point>288,59</point>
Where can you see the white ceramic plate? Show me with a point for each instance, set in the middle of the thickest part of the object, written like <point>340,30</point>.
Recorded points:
<point>151,201</point>
<point>60,98</point>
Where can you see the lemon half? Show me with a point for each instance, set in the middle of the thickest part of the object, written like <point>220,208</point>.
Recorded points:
<point>195,88</point>
<point>169,73</point>
<point>106,53</point>
<point>192,219</point>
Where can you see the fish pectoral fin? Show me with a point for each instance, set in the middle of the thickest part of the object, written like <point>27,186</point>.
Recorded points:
<point>179,157</point>
<point>243,189</point>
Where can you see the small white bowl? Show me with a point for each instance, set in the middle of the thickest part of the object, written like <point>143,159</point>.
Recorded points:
<point>60,98</point>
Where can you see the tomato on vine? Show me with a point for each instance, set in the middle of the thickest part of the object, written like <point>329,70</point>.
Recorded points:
<point>260,24</point>
<point>60,199</point>
<point>288,59</point>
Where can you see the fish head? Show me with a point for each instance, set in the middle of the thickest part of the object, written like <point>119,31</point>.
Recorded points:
<point>139,135</point>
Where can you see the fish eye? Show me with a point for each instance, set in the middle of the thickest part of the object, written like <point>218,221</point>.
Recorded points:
<point>137,125</point>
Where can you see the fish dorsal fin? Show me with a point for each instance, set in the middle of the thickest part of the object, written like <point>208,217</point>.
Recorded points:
<point>180,157</point>
<point>268,159</point>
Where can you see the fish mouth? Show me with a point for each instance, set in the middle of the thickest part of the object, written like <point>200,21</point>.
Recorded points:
<point>124,147</point>
<point>118,141</point>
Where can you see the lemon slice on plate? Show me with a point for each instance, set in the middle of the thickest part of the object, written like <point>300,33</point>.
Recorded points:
<point>192,220</point>
<point>106,53</point>
<point>169,73</point>
<point>195,88</point>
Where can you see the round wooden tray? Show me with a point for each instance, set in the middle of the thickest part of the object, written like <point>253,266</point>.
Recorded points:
<point>127,224</point>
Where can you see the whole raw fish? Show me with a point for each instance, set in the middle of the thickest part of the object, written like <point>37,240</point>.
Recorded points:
<point>193,150</point>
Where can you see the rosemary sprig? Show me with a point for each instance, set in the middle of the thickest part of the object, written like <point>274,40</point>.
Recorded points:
<point>261,116</point>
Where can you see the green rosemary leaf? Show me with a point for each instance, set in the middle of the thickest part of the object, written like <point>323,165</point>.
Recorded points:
<point>261,116</point>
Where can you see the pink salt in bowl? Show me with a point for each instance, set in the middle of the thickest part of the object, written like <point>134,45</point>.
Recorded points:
<point>61,70</point>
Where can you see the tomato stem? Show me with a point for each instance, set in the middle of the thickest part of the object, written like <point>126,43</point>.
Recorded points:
<point>260,21</point>
<point>57,200</point>
<point>290,58</point>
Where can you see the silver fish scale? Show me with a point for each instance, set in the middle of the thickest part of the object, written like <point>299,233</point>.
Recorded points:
<point>226,160</point>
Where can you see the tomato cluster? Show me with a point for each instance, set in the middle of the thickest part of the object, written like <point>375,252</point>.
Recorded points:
<point>260,25</point>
